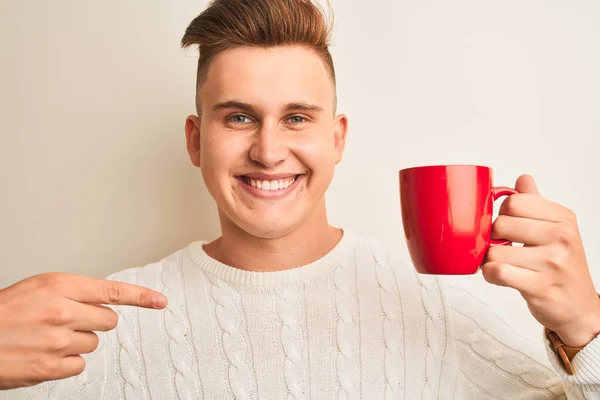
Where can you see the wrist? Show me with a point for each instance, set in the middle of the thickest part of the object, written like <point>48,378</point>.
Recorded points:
<point>578,339</point>
<point>583,332</point>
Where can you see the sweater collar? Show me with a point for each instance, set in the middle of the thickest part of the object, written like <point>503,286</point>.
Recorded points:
<point>341,253</point>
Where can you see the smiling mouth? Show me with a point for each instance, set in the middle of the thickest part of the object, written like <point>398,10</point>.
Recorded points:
<point>273,185</point>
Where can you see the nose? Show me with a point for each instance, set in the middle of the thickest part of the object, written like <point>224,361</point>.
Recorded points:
<point>268,147</point>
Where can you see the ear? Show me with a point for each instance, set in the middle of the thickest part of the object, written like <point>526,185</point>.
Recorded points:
<point>340,129</point>
<point>192,138</point>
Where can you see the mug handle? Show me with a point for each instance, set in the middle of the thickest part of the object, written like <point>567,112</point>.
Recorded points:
<point>498,192</point>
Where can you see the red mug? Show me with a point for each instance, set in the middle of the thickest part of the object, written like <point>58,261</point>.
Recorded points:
<point>447,216</point>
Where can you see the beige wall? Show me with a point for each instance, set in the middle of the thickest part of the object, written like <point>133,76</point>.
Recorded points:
<point>94,177</point>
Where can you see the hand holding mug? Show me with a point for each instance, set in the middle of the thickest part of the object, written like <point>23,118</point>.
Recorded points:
<point>447,216</point>
<point>48,320</point>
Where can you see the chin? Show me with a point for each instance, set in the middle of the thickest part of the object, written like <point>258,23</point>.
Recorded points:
<point>268,229</point>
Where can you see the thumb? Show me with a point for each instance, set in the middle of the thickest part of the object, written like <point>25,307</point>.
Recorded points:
<point>526,184</point>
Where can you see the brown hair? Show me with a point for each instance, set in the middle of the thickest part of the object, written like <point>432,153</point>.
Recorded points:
<point>227,24</point>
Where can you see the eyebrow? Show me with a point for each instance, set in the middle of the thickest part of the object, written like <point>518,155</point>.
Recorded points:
<point>224,105</point>
<point>238,105</point>
<point>300,106</point>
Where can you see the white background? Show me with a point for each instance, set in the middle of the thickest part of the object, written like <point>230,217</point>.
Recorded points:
<point>94,176</point>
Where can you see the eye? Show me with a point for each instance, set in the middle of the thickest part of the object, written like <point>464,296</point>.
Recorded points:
<point>240,119</point>
<point>296,119</point>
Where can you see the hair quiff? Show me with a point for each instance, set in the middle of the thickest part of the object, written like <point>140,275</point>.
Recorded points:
<point>227,24</point>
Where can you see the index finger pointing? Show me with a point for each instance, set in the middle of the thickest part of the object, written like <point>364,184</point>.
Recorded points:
<point>100,291</point>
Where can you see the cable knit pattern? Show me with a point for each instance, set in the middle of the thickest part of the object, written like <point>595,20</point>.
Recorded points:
<point>181,349</point>
<point>234,340</point>
<point>347,310</point>
<point>392,323</point>
<point>293,341</point>
<point>431,298</point>
<point>129,356</point>
<point>356,323</point>
<point>503,357</point>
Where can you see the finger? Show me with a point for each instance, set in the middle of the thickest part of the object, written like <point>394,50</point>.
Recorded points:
<point>522,279</point>
<point>98,291</point>
<point>69,366</point>
<point>534,206</point>
<point>82,343</point>
<point>522,257</point>
<point>526,184</point>
<point>524,230</point>
<point>92,317</point>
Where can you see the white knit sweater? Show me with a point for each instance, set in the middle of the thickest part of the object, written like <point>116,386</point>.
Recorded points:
<point>357,324</point>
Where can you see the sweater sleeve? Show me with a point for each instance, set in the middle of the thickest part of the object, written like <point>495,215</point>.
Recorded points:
<point>586,364</point>
<point>498,361</point>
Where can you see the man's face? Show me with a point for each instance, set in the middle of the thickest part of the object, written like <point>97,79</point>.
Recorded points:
<point>267,141</point>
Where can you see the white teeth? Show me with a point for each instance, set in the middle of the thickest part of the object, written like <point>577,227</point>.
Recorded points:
<point>279,184</point>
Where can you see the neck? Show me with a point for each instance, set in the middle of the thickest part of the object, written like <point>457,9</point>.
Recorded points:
<point>304,244</point>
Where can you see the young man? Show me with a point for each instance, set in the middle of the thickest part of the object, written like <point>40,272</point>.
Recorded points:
<point>285,306</point>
